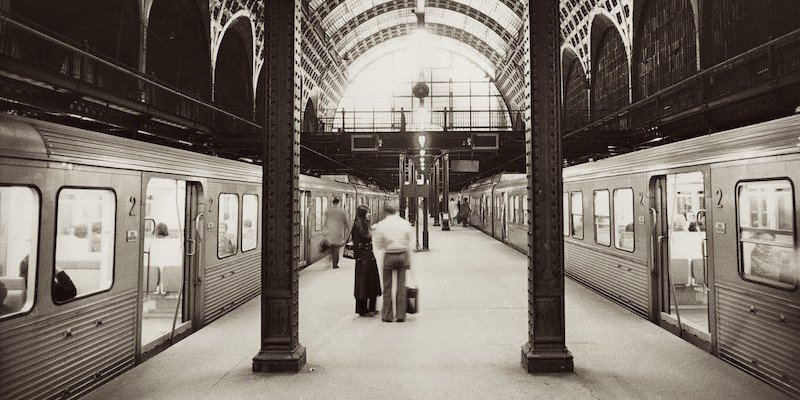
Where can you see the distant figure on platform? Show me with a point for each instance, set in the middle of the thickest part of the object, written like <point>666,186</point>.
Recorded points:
<point>162,230</point>
<point>464,211</point>
<point>335,230</point>
<point>394,235</point>
<point>367,286</point>
<point>452,208</point>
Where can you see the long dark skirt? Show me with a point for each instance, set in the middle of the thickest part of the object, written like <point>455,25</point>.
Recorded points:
<point>367,281</point>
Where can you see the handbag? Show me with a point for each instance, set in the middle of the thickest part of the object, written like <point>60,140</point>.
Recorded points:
<point>349,248</point>
<point>412,295</point>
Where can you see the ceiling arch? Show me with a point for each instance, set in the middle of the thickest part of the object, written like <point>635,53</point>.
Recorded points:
<point>327,9</point>
<point>503,22</point>
<point>437,42</point>
<point>394,31</point>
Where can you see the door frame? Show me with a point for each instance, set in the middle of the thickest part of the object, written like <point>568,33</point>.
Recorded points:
<point>659,256</point>
<point>193,294</point>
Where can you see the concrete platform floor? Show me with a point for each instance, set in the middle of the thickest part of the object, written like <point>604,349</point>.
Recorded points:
<point>465,344</point>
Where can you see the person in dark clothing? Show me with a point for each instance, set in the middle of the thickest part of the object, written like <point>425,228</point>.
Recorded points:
<point>63,288</point>
<point>367,286</point>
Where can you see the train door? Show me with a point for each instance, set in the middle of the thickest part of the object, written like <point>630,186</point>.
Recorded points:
<point>169,275</point>
<point>504,216</point>
<point>680,263</point>
<point>305,206</point>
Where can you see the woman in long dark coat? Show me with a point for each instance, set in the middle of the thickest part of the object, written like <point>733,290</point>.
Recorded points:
<point>367,281</point>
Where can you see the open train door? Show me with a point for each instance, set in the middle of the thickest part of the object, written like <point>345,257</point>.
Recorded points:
<point>170,277</point>
<point>680,267</point>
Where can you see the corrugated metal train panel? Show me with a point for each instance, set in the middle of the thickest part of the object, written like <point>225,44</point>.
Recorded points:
<point>750,334</point>
<point>623,280</point>
<point>230,284</point>
<point>76,349</point>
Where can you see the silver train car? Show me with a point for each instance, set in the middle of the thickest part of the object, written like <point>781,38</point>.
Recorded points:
<point>112,249</point>
<point>698,236</point>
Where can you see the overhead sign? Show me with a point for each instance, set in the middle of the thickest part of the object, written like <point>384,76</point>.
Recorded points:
<point>464,165</point>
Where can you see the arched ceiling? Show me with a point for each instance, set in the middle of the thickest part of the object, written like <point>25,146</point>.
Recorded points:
<point>353,27</point>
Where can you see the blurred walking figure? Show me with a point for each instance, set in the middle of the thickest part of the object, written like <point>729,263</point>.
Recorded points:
<point>394,235</point>
<point>452,209</point>
<point>367,286</point>
<point>464,211</point>
<point>335,230</point>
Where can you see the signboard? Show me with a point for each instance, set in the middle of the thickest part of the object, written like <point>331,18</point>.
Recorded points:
<point>465,165</point>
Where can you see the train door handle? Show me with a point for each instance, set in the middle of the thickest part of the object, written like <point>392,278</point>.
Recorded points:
<point>192,247</point>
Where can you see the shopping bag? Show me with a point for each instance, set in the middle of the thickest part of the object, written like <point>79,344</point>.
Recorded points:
<point>412,300</point>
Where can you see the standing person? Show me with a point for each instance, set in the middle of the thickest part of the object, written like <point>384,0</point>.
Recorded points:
<point>394,235</point>
<point>335,230</point>
<point>367,286</point>
<point>464,211</point>
<point>459,216</point>
<point>452,208</point>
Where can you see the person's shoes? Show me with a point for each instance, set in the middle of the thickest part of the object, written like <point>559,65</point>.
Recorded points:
<point>400,319</point>
<point>386,320</point>
<point>366,314</point>
<point>335,267</point>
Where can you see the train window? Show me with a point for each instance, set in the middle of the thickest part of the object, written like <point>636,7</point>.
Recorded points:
<point>317,213</point>
<point>525,210</point>
<point>576,214</point>
<point>624,238</point>
<point>324,210</point>
<point>249,222</point>
<point>19,240</point>
<point>766,231</point>
<point>565,214</point>
<point>602,218</point>
<point>85,232</point>
<point>228,225</point>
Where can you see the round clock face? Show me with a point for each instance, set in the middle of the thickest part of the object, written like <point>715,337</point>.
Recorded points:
<point>420,90</point>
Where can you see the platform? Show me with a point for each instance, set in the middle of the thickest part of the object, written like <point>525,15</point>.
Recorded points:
<point>465,344</point>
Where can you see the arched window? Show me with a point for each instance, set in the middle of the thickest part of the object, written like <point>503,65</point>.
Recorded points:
<point>576,96</point>
<point>610,74</point>
<point>666,48</point>
<point>731,27</point>
<point>233,87</point>
<point>178,53</point>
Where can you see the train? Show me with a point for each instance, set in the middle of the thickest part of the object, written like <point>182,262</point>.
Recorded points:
<point>697,236</point>
<point>112,249</point>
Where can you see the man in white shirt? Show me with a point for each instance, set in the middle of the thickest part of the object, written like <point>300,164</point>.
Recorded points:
<point>394,236</point>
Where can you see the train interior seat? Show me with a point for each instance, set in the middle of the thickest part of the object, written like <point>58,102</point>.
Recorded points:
<point>679,271</point>
<point>152,279</point>
<point>15,299</point>
<point>171,279</point>
<point>698,271</point>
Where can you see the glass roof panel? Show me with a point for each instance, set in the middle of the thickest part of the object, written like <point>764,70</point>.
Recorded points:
<point>467,24</point>
<point>373,26</point>
<point>498,11</point>
<point>435,41</point>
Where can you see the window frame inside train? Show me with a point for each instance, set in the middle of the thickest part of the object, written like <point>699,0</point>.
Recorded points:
<point>572,215</point>
<point>749,277</point>
<point>113,266</point>
<point>614,219</point>
<point>595,216</point>
<point>238,224</point>
<point>256,225</point>
<point>33,262</point>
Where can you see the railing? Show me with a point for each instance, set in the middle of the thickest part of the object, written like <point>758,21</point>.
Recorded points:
<point>43,56</point>
<point>405,121</point>
<point>754,68</point>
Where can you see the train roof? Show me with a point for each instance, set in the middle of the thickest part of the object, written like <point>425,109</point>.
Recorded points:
<point>40,140</point>
<point>776,137</point>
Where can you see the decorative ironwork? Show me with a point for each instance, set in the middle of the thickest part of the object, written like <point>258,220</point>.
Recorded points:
<point>610,73</point>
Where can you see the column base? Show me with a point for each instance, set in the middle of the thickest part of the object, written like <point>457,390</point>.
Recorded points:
<point>549,361</point>
<point>280,360</point>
